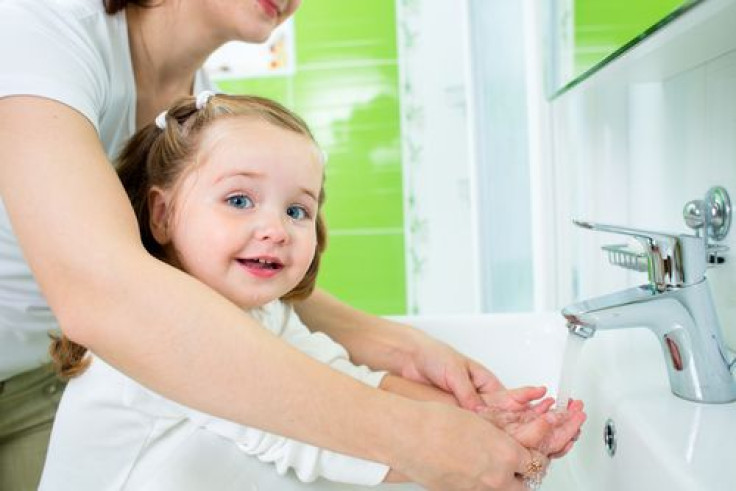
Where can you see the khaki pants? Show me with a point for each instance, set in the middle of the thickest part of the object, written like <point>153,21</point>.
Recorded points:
<point>28,403</point>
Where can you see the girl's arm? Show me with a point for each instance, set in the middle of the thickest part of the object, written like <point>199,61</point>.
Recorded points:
<point>179,338</point>
<point>415,390</point>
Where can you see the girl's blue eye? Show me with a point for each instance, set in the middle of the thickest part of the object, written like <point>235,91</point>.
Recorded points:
<point>297,212</point>
<point>239,201</point>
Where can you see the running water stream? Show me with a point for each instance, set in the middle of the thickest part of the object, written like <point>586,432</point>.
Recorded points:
<point>573,345</point>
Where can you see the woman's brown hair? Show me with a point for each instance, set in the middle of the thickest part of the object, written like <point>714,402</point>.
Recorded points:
<point>115,6</point>
<point>159,157</point>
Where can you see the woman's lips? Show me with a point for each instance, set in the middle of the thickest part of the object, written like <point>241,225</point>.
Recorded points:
<point>269,8</point>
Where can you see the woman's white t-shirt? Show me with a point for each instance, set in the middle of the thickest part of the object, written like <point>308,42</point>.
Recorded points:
<point>70,51</point>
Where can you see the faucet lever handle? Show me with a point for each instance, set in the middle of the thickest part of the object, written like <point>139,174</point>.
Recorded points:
<point>673,260</point>
<point>644,236</point>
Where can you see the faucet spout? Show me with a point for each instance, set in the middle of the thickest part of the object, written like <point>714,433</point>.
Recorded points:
<point>685,323</point>
<point>580,330</point>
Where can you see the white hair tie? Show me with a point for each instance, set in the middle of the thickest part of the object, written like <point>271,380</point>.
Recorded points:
<point>161,120</point>
<point>202,98</point>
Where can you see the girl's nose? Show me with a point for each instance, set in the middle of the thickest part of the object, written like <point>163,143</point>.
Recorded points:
<point>271,227</point>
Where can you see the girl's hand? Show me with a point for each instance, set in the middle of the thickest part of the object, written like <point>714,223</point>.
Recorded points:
<point>533,425</point>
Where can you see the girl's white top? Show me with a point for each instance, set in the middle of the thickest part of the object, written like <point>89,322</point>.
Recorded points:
<point>111,433</point>
<point>69,51</point>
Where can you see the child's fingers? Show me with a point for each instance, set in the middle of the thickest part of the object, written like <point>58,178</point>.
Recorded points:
<point>531,434</point>
<point>543,406</point>
<point>565,433</point>
<point>575,405</point>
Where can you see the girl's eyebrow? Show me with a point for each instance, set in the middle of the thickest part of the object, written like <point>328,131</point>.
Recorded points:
<point>309,193</point>
<point>250,174</point>
<point>238,174</point>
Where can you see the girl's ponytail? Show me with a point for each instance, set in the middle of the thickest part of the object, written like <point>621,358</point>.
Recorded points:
<point>135,164</point>
<point>67,357</point>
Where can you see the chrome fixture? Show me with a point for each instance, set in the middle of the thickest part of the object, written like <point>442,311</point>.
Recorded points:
<point>710,217</point>
<point>676,304</point>
<point>609,437</point>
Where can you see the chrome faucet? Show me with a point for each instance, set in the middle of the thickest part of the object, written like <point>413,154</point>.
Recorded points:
<point>676,305</point>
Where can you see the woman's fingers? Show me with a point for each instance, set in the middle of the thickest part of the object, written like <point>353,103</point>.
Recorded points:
<point>479,456</point>
<point>518,399</point>
<point>534,469</point>
<point>524,395</point>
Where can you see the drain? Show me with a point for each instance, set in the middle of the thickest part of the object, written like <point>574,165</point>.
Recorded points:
<point>609,437</point>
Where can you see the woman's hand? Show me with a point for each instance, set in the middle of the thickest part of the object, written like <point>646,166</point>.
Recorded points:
<point>454,449</point>
<point>433,362</point>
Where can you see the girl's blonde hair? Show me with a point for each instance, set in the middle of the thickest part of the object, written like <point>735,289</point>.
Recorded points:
<point>159,157</point>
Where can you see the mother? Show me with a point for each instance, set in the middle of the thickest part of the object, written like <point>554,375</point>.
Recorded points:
<point>77,78</point>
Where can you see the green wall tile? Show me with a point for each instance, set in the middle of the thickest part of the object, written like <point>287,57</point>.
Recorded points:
<point>277,88</point>
<point>347,30</point>
<point>367,270</point>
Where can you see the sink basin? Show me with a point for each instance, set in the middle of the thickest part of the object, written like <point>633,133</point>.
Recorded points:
<point>662,442</point>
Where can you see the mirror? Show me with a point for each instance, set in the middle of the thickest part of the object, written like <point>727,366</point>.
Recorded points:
<point>585,35</point>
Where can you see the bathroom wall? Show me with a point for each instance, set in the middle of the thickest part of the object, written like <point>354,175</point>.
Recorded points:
<point>465,69</point>
<point>441,253</point>
<point>636,141</point>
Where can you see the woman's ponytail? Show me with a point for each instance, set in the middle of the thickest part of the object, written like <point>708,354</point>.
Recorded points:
<point>114,6</point>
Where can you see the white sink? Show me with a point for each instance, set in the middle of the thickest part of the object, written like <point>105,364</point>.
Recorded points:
<point>663,442</point>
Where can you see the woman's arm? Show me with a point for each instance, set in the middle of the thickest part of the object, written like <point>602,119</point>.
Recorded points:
<point>181,339</point>
<point>383,344</point>
<point>157,324</point>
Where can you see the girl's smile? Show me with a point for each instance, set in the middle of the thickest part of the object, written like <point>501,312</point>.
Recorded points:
<point>263,267</point>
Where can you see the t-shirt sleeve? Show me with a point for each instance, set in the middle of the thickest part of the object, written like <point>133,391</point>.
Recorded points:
<point>308,462</point>
<point>321,347</point>
<point>46,54</point>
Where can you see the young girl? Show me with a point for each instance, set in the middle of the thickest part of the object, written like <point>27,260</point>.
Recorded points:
<point>229,190</point>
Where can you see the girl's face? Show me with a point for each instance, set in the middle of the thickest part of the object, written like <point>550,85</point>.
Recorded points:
<point>244,220</point>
